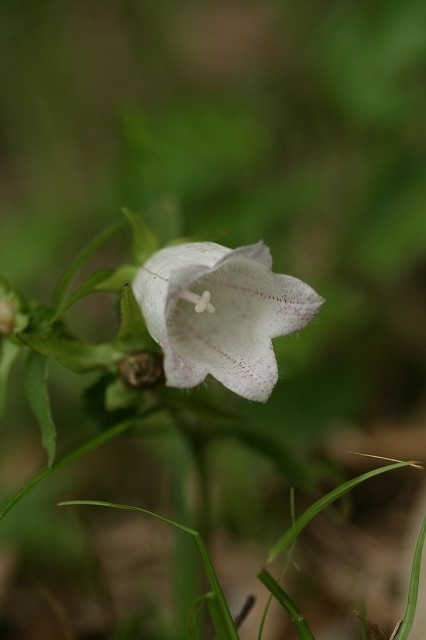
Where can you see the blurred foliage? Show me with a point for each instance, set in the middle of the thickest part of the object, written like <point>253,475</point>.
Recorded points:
<point>299,123</point>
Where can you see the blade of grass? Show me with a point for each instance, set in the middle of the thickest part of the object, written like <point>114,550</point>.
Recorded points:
<point>302,629</point>
<point>284,569</point>
<point>192,618</point>
<point>291,534</point>
<point>413,589</point>
<point>216,616</point>
<point>94,443</point>
<point>226,623</point>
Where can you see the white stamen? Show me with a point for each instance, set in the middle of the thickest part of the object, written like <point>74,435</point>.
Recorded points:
<point>202,303</point>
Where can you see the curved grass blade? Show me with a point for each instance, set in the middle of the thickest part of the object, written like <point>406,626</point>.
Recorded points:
<point>291,534</point>
<point>413,590</point>
<point>302,629</point>
<point>94,443</point>
<point>69,275</point>
<point>221,616</point>
<point>192,619</point>
<point>283,570</point>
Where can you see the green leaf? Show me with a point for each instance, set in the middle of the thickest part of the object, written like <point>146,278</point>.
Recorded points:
<point>145,242</point>
<point>132,325</point>
<point>302,629</point>
<point>291,534</point>
<point>77,356</point>
<point>222,616</point>
<point>8,354</point>
<point>88,286</point>
<point>36,374</point>
<point>69,275</point>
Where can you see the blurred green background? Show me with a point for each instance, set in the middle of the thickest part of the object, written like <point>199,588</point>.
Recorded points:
<point>298,122</point>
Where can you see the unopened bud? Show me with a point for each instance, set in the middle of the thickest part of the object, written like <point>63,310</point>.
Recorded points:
<point>143,369</point>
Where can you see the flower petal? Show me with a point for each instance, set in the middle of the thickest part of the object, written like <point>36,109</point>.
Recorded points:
<point>181,372</point>
<point>241,361</point>
<point>231,340</point>
<point>281,303</point>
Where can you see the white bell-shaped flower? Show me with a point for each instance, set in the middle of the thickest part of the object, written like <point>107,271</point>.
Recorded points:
<point>215,310</point>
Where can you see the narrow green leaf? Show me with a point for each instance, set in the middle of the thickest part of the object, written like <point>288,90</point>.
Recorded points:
<point>413,590</point>
<point>302,629</point>
<point>67,278</point>
<point>145,242</point>
<point>192,618</point>
<point>77,356</point>
<point>36,374</point>
<point>132,325</point>
<point>88,286</point>
<point>291,534</point>
<point>117,430</point>
<point>9,352</point>
<point>283,570</point>
<point>229,631</point>
<point>219,623</point>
